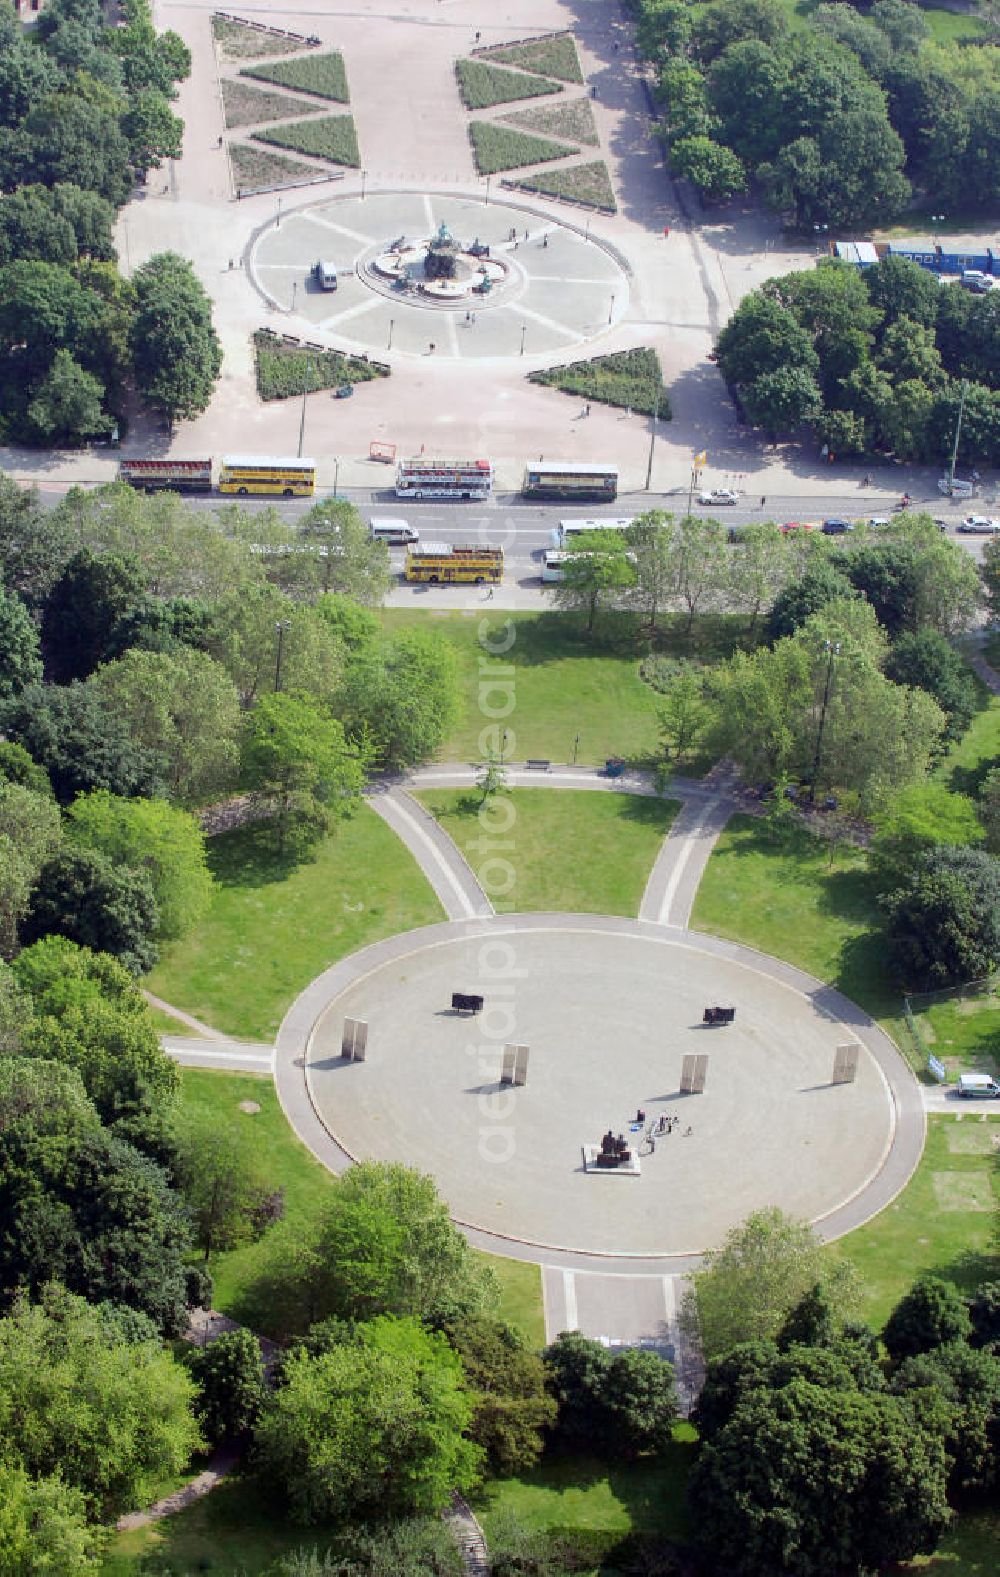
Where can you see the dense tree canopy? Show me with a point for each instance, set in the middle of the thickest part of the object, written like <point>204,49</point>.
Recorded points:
<point>176,352</point>
<point>943,919</point>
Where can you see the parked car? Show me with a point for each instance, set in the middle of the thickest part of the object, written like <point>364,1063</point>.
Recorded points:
<point>974,279</point>
<point>719,495</point>
<point>877,522</point>
<point>835,527</point>
<point>978,1085</point>
<point>978,525</point>
<point>796,525</point>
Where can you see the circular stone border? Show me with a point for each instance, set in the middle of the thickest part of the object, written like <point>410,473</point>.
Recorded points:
<point>907,1112</point>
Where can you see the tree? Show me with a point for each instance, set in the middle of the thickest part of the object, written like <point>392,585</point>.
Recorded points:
<point>176,351</point>
<point>231,1384</point>
<point>989,809</point>
<point>932,1314</point>
<point>83,610</point>
<point>374,1425</point>
<point>343,558</point>
<point>650,542</point>
<point>79,742</point>
<point>43,1526</point>
<point>20,664</point>
<point>150,836</point>
<point>507,1381</point>
<point>685,712</point>
<point>33,543</point>
<point>943,921</point>
<point>112,1417</point>
<point>596,570</point>
<point>699,552</point>
<point>244,634</point>
<point>90,1013</point>
<point>966,1384</point>
<point>762,1271</point>
<point>919,818</point>
<point>780,401</point>
<point>224,1185</point>
<point>491,777</point>
<point>726,21</point>
<point>300,768</point>
<point>154,132</point>
<point>759,566</point>
<point>926,660</point>
<point>383,1245</point>
<point>182,706</point>
<point>29,832</point>
<point>110,909</point>
<point>409,1547</point>
<point>984,1314</point>
<point>763,336</point>
<point>401,697</point>
<point>621,1405</point>
<point>711,167</point>
<point>810,1480</point>
<point>67,406</point>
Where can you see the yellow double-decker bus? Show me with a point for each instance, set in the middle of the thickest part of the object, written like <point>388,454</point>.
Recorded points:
<point>440,563</point>
<point>267,474</point>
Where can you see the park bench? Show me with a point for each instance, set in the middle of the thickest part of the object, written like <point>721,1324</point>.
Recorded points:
<point>465,1002</point>
<point>535,765</point>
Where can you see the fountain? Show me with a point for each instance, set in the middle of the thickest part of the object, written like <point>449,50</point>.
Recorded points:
<point>440,268</point>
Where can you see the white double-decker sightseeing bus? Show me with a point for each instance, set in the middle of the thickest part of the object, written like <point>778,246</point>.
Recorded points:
<point>423,477</point>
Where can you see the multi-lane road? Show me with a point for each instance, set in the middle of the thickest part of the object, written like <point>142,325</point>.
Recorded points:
<point>526,530</point>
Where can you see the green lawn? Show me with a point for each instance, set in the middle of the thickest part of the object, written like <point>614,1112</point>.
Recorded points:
<point>577,852</point>
<point>229,1533</point>
<point>564,686</point>
<point>273,927</point>
<point>967,762</point>
<point>944,1220</point>
<point>520,1296</point>
<point>788,899</point>
<point>969,1550</point>
<point>963,1033</point>
<point>594,1505</point>
<point>332,137</point>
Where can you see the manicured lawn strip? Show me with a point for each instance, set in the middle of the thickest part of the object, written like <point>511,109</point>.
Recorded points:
<point>562,688</point>
<point>254,169</point>
<point>965,1035</point>
<point>595,1504</point>
<point>272,927</point>
<point>789,900</point>
<point>967,762</point>
<point>247,106</point>
<point>554,56</point>
<point>914,1233</point>
<point>236,41</point>
<point>572,119</point>
<point>287,1163</point>
<point>575,852</point>
<point>500,148</point>
<point>629,378</point>
<point>332,137</point>
<point>284,371</point>
<point>520,1296</point>
<point>482,85</point>
<point>323,75</point>
<point>166,1024</point>
<point>589,184</point>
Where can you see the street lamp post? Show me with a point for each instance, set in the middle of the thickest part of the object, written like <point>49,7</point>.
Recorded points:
<point>391,322</point>
<point>524,330</point>
<point>833,650</point>
<point>364,177</point>
<point>306,378</point>
<point>611,309</point>
<point>488,191</point>
<point>652,439</point>
<point>281,626</point>
<point>295,289</point>
<point>576,748</point>
<point>278,221</point>
<point>336,473</point>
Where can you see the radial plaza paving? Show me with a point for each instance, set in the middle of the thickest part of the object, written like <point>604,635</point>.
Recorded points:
<point>608,1008</point>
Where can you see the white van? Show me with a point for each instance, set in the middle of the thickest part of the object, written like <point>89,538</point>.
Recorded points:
<point>978,1086</point>
<point>396,532</point>
<point>325,275</point>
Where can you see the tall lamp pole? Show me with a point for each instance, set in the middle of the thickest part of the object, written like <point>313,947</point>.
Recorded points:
<point>281,626</point>
<point>958,433</point>
<point>833,650</point>
<point>306,376</point>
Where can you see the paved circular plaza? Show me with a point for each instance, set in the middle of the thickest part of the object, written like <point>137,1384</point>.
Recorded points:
<point>553,287</point>
<point>608,1009</point>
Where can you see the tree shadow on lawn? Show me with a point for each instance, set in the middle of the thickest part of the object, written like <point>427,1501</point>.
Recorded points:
<point>970,1268</point>
<point>247,857</point>
<point>557,635</point>
<point>969,780</point>
<point>861,973</point>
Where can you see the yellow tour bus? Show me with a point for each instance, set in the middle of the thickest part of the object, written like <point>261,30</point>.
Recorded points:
<point>267,474</point>
<point>440,563</point>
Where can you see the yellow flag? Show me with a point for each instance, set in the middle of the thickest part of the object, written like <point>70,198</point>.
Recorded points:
<point>700,459</point>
